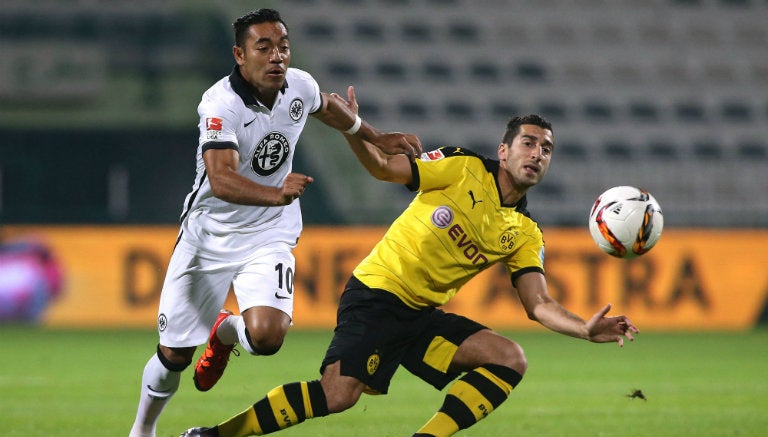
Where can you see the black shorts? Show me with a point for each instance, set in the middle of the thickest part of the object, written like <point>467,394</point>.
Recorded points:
<point>376,332</point>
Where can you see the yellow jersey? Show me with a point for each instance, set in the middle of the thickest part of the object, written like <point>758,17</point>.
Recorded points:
<point>453,229</point>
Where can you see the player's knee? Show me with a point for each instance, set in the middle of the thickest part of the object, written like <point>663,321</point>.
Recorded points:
<point>264,343</point>
<point>265,330</point>
<point>175,359</point>
<point>513,356</point>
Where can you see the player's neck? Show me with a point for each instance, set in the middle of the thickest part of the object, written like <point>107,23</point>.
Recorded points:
<point>509,192</point>
<point>511,197</point>
<point>266,97</point>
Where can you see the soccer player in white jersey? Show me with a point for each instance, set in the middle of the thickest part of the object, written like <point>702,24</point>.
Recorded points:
<point>242,219</point>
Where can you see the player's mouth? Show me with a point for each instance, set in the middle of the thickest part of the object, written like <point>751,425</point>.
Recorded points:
<point>276,73</point>
<point>532,168</point>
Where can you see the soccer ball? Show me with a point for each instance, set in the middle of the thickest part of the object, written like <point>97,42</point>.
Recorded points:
<point>626,222</point>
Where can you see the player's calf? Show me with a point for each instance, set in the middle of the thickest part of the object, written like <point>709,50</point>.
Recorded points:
<point>284,406</point>
<point>471,399</point>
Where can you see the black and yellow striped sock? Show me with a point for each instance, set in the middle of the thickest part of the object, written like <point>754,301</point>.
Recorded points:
<point>284,406</point>
<point>470,399</point>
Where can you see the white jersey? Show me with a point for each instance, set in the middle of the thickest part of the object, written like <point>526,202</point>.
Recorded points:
<point>230,117</point>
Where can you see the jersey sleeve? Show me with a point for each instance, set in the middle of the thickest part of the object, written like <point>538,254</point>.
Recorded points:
<point>317,102</point>
<point>218,124</point>
<point>310,89</point>
<point>440,168</point>
<point>528,258</point>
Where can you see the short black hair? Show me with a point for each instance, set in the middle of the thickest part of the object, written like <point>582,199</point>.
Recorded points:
<point>263,15</point>
<point>513,127</point>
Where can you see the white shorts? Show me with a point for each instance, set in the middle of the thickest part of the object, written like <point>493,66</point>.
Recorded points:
<point>196,286</point>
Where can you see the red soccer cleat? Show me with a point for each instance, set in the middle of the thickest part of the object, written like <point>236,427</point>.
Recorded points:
<point>212,363</point>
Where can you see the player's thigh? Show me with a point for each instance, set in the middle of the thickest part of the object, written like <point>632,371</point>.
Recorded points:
<point>431,356</point>
<point>193,292</point>
<point>488,347</point>
<point>266,279</point>
<point>373,332</point>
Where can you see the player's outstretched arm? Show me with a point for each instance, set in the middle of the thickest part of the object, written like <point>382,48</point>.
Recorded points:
<point>337,114</point>
<point>381,165</point>
<point>541,307</point>
<point>384,167</point>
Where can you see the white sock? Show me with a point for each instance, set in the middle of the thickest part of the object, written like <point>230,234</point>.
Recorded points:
<point>158,384</point>
<point>229,328</point>
<point>243,337</point>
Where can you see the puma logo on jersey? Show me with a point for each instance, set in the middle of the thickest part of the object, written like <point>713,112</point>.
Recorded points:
<point>472,196</point>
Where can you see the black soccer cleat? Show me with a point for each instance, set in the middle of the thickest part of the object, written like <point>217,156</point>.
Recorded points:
<point>201,432</point>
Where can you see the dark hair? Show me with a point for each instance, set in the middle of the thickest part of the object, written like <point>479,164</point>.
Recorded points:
<point>513,127</point>
<point>263,15</point>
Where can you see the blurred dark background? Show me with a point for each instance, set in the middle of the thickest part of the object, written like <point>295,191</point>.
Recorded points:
<point>98,100</point>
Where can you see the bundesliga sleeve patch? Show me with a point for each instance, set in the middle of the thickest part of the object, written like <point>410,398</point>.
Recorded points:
<point>213,123</point>
<point>213,127</point>
<point>433,155</point>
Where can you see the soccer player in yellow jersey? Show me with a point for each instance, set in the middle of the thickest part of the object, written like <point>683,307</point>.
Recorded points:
<point>469,213</point>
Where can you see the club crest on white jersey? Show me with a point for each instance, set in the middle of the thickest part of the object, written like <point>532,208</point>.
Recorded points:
<point>296,109</point>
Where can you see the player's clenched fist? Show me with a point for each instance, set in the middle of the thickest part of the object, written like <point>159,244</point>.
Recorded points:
<point>294,186</point>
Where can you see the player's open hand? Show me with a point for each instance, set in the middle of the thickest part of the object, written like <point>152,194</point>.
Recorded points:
<point>350,102</point>
<point>294,186</point>
<point>603,329</point>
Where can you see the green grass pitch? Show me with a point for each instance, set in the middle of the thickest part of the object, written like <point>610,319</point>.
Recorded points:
<point>85,383</point>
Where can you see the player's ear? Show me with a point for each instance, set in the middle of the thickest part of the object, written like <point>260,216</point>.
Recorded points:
<point>501,150</point>
<point>238,53</point>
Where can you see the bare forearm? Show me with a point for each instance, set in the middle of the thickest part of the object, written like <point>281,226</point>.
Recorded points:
<point>539,305</point>
<point>234,188</point>
<point>382,166</point>
<point>373,159</point>
<point>554,316</point>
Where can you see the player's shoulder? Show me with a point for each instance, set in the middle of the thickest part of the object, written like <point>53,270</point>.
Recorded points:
<point>463,157</point>
<point>449,152</point>
<point>221,86</point>
<point>220,94</point>
<point>299,79</point>
<point>300,84</point>
<point>298,74</point>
